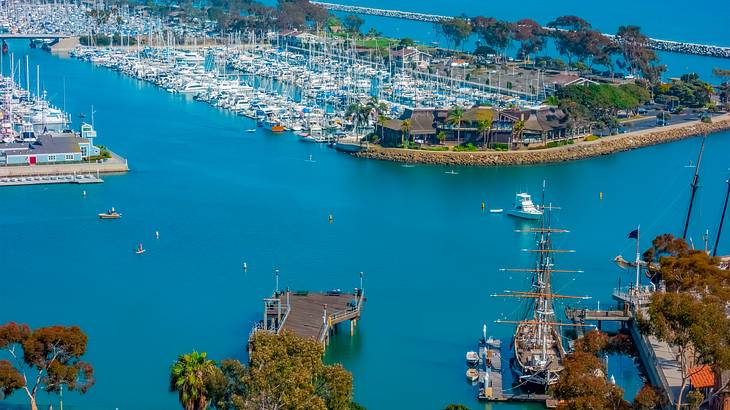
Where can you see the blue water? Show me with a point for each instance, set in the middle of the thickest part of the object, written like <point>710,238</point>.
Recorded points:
<point>219,197</point>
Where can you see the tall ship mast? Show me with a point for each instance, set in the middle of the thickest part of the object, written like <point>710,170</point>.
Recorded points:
<point>537,343</point>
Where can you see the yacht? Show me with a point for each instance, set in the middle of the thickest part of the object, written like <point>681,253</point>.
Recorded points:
<point>524,208</point>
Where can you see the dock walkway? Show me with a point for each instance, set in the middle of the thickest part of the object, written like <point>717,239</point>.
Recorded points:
<point>312,315</point>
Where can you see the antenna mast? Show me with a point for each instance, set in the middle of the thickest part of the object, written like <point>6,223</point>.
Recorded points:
<point>694,185</point>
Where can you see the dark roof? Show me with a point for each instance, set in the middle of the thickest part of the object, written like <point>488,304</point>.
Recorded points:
<point>478,114</point>
<point>53,144</point>
<point>422,120</point>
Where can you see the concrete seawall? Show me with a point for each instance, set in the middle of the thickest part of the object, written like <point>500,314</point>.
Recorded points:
<point>114,165</point>
<point>581,150</point>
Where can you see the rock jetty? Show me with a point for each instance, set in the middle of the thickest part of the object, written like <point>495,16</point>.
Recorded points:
<point>579,150</point>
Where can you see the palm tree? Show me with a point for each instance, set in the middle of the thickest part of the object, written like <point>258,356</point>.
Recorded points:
<point>517,129</point>
<point>405,128</point>
<point>382,119</point>
<point>454,119</point>
<point>187,377</point>
<point>483,127</point>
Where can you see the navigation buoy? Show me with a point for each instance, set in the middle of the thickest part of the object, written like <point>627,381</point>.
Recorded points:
<point>157,234</point>
<point>245,267</point>
<point>600,195</point>
<point>482,205</point>
<point>84,193</point>
<point>331,219</point>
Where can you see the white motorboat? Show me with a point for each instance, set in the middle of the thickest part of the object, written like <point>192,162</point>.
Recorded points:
<point>524,208</point>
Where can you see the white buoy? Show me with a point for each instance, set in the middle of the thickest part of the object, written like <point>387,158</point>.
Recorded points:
<point>245,267</point>
<point>157,234</point>
<point>84,193</point>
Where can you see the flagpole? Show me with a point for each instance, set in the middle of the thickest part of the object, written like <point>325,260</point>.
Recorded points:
<point>638,267</point>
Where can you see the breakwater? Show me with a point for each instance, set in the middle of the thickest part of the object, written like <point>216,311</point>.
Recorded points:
<point>579,150</point>
<point>657,44</point>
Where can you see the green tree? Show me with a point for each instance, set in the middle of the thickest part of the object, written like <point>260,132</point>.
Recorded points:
<point>484,127</point>
<point>353,23</point>
<point>647,398</point>
<point>457,30</point>
<point>46,359</point>
<point>582,384</point>
<point>456,407</point>
<point>517,129</point>
<point>405,129</point>
<point>286,371</point>
<point>456,115</point>
<point>188,377</point>
<point>382,119</point>
<point>697,327</point>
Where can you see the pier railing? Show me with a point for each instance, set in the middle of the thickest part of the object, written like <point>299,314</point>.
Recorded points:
<point>342,315</point>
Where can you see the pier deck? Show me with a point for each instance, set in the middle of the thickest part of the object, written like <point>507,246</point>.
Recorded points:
<point>312,315</point>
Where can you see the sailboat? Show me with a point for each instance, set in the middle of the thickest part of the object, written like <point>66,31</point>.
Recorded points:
<point>537,342</point>
<point>140,250</point>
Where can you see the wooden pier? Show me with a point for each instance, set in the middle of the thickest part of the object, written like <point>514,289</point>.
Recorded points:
<point>311,315</point>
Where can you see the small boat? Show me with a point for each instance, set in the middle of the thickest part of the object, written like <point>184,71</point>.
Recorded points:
<point>472,374</point>
<point>496,211</point>
<point>452,172</point>
<point>139,250</point>
<point>110,214</point>
<point>472,358</point>
<point>251,130</point>
<point>524,208</point>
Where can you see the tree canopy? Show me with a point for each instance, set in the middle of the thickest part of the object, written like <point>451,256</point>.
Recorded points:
<point>46,358</point>
<point>284,372</point>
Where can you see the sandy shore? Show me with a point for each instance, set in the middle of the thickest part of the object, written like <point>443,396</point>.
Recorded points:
<point>116,164</point>
<point>581,150</point>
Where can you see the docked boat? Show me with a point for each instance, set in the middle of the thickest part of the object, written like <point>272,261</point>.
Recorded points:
<point>537,343</point>
<point>274,126</point>
<point>472,374</point>
<point>524,207</point>
<point>110,214</point>
<point>472,358</point>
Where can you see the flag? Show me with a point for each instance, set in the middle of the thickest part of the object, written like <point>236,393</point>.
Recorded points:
<point>634,234</point>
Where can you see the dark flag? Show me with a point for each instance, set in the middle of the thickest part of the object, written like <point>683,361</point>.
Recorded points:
<point>634,234</point>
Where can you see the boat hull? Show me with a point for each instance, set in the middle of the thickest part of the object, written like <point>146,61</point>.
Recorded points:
<point>523,215</point>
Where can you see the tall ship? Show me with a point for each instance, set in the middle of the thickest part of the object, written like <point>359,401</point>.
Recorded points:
<point>537,343</point>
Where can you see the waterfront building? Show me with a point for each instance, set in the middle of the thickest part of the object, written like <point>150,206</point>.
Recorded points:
<point>51,148</point>
<point>539,127</point>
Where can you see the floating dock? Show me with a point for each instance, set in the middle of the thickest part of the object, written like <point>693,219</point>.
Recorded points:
<point>491,378</point>
<point>51,179</point>
<point>311,315</point>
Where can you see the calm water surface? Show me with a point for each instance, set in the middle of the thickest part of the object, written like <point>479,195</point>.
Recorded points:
<point>219,197</point>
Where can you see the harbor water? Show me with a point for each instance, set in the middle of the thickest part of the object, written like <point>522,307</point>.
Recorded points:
<point>219,197</point>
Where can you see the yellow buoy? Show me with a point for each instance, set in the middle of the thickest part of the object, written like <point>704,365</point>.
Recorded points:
<point>600,195</point>
<point>482,205</point>
<point>331,219</point>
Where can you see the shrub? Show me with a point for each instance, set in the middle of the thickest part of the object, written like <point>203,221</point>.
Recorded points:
<point>591,138</point>
<point>467,147</point>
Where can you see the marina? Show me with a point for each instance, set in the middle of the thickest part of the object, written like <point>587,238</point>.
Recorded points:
<point>219,174</point>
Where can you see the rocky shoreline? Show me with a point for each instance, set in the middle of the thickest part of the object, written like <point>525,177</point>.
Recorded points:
<point>580,150</point>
